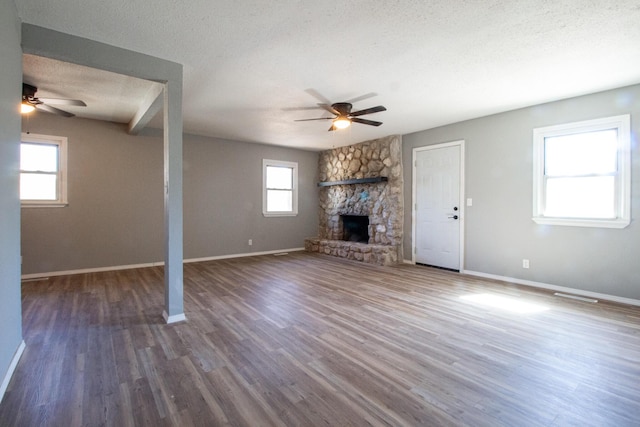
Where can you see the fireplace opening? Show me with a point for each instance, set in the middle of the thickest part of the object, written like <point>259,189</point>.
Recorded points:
<point>355,228</point>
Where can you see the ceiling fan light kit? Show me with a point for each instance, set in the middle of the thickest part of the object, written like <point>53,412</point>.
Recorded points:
<point>343,117</point>
<point>342,122</point>
<point>26,108</point>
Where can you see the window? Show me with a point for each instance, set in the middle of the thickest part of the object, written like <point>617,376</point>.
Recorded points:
<point>582,173</point>
<point>43,162</point>
<point>280,188</point>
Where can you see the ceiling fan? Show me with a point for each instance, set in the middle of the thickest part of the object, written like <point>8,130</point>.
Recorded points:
<point>30,102</point>
<point>343,116</point>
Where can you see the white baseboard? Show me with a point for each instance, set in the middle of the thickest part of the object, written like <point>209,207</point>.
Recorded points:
<point>12,368</point>
<point>563,289</point>
<point>88,270</point>
<point>150,264</point>
<point>173,319</point>
<point>214,258</point>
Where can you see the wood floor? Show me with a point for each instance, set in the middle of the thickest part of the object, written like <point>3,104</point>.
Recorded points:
<point>310,340</point>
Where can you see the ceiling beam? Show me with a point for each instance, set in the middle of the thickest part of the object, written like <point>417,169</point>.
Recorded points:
<point>150,106</point>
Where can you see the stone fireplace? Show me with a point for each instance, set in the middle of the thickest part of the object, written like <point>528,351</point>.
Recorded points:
<point>362,180</point>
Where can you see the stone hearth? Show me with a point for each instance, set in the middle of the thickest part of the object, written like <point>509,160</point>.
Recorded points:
<point>374,254</point>
<point>381,201</point>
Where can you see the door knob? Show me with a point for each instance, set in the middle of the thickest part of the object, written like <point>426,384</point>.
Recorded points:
<point>453,217</point>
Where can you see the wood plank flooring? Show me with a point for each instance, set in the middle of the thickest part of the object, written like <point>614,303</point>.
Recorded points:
<point>310,340</point>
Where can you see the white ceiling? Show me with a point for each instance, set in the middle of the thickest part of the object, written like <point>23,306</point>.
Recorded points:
<point>252,67</point>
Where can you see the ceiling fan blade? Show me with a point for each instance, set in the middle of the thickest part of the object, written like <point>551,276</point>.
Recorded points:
<point>329,108</point>
<point>299,108</point>
<point>366,122</point>
<point>58,101</point>
<point>319,118</point>
<point>333,127</point>
<point>50,109</point>
<point>362,97</point>
<point>368,111</point>
<point>317,95</point>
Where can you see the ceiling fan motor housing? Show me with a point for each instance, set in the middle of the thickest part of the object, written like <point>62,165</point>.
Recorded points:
<point>28,91</point>
<point>344,108</point>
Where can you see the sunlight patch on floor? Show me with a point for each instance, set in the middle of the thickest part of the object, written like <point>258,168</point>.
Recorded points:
<point>511,304</point>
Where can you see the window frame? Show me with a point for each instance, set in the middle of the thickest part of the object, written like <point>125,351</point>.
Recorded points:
<point>622,124</point>
<point>61,175</point>
<point>294,190</point>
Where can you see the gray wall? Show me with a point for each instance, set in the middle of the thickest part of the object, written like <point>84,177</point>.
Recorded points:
<point>10,91</point>
<point>115,212</point>
<point>499,229</point>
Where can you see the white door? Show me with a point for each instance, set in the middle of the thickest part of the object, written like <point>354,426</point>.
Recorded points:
<point>437,215</point>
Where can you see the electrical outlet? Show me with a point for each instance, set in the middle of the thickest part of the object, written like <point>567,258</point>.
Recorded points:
<point>525,263</point>
<point>250,242</point>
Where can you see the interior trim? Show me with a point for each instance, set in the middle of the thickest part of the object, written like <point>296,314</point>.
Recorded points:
<point>12,368</point>
<point>596,295</point>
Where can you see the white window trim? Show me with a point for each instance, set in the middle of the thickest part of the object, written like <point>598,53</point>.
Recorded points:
<point>61,142</point>
<point>279,163</point>
<point>623,179</point>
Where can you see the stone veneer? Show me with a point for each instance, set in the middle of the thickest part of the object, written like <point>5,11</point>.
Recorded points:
<point>382,202</point>
<point>374,254</point>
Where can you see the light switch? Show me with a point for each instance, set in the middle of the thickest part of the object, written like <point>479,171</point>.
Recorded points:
<point>469,202</point>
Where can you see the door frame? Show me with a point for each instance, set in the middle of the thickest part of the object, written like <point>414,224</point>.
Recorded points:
<point>461,203</point>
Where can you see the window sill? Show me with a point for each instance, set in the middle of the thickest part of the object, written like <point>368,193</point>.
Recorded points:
<point>577,222</point>
<point>44,204</point>
<point>276,214</point>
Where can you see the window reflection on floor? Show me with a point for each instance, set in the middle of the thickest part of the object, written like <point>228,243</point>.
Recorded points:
<point>511,304</point>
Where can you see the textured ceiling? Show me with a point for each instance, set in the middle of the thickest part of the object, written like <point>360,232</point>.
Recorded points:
<point>252,67</point>
<point>108,96</point>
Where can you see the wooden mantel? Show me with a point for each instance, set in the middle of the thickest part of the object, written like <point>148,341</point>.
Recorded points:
<point>354,181</point>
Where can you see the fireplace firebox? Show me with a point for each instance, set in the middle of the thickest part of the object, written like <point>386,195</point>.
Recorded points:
<point>355,228</point>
